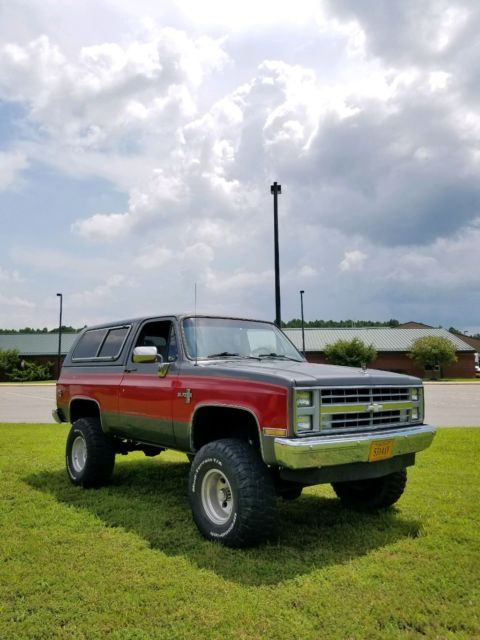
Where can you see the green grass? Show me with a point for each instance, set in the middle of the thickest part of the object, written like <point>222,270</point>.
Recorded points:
<point>126,562</point>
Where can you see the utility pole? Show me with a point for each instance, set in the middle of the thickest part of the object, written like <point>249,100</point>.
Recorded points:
<point>59,358</point>
<point>303,321</point>
<point>275,189</point>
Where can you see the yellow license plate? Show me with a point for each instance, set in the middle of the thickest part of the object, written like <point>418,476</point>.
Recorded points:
<point>380,450</point>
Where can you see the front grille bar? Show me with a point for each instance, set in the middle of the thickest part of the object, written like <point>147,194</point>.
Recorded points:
<point>362,394</point>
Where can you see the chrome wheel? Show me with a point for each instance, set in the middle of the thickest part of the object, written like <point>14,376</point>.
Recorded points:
<point>79,454</point>
<point>217,498</point>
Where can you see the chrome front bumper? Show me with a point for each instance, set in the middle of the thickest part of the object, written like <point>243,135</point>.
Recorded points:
<point>325,451</point>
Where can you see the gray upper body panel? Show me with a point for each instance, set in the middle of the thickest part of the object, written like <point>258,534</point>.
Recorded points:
<point>300,374</point>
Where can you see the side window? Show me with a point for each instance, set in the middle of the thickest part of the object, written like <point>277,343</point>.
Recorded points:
<point>89,344</point>
<point>113,342</point>
<point>157,334</point>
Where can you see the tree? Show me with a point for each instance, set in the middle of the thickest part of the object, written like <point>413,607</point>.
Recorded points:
<point>433,351</point>
<point>350,353</point>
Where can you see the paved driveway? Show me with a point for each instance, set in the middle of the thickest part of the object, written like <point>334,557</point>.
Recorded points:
<point>27,403</point>
<point>446,404</point>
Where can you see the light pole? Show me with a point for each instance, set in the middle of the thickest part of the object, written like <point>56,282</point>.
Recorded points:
<point>59,359</point>
<point>275,189</point>
<point>303,321</point>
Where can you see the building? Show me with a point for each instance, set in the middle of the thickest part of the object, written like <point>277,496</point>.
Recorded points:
<point>392,345</point>
<point>37,347</point>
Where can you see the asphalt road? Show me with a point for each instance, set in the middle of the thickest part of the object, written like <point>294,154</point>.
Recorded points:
<point>449,404</point>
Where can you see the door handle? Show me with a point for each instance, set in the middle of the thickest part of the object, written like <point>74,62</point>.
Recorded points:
<point>127,370</point>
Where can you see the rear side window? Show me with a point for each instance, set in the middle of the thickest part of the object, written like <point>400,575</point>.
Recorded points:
<point>113,343</point>
<point>101,343</point>
<point>89,344</point>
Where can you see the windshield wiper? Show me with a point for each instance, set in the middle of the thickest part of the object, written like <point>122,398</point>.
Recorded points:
<point>228,354</point>
<point>223,354</point>
<point>277,355</point>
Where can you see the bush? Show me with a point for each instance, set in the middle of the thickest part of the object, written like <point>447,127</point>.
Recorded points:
<point>350,353</point>
<point>31,372</point>
<point>9,360</point>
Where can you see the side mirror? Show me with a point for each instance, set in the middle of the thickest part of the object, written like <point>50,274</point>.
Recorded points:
<point>146,354</point>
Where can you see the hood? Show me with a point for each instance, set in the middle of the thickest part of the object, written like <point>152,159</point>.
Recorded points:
<point>305,374</point>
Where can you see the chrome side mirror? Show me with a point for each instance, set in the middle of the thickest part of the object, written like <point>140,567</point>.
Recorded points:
<point>146,354</point>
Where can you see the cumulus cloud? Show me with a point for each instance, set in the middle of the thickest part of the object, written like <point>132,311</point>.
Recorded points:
<point>6,275</point>
<point>353,261</point>
<point>367,114</point>
<point>12,164</point>
<point>111,93</point>
<point>16,301</point>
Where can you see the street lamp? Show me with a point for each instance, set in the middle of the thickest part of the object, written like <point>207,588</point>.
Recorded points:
<point>303,321</point>
<point>59,359</point>
<point>275,189</point>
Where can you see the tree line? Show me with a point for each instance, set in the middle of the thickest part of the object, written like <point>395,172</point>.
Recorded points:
<point>30,330</point>
<point>296,323</point>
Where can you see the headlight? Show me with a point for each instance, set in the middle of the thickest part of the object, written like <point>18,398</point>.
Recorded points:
<point>304,423</point>
<point>304,398</point>
<point>415,395</point>
<point>415,415</point>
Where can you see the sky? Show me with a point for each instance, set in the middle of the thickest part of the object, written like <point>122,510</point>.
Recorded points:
<point>139,140</point>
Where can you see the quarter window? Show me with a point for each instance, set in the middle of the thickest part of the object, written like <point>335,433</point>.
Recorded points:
<point>101,343</point>
<point>89,344</point>
<point>113,343</point>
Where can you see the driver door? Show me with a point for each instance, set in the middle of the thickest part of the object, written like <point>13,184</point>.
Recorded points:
<point>146,392</point>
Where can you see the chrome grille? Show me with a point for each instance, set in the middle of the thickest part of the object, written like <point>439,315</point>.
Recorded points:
<point>356,409</point>
<point>365,420</point>
<point>356,395</point>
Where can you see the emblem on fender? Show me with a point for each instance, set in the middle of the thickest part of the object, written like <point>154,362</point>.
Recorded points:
<point>187,394</point>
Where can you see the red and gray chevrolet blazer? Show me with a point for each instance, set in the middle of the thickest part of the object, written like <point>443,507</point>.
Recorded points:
<point>255,419</point>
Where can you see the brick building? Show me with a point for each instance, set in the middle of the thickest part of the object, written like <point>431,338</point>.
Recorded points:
<point>37,347</point>
<point>392,346</point>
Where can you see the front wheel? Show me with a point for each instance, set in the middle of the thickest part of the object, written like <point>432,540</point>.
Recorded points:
<point>374,493</point>
<point>232,494</point>
<point>90,454</point>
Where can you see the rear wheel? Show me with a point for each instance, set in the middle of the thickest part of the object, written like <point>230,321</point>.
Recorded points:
<point>374,493</point>
<point>90,454</point>
<point>232,494</point>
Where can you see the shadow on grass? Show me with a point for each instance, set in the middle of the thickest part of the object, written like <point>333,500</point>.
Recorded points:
<point>150,499</point>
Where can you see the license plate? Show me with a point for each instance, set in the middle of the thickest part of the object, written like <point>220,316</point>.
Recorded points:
<point>380,450</point>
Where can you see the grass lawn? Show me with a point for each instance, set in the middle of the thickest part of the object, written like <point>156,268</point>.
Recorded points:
<point>127,562</point>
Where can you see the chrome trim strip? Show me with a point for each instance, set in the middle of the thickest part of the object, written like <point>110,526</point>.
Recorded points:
<point>302,453</point>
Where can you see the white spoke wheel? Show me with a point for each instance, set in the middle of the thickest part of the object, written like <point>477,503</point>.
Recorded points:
<point>217,499</point>
<point>79,454</point>
<point>90,454</point>
<point>232,494</point>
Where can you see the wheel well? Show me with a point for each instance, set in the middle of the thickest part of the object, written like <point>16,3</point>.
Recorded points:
<point>214,423</point>
<point>82,408</point>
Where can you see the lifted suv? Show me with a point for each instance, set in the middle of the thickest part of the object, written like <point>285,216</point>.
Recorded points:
<point>255,419</point>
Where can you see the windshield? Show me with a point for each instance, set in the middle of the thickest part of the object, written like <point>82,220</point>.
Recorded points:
<point>226,338</point>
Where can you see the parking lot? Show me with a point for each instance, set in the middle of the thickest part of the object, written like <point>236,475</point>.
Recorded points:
<point>447,404</point>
